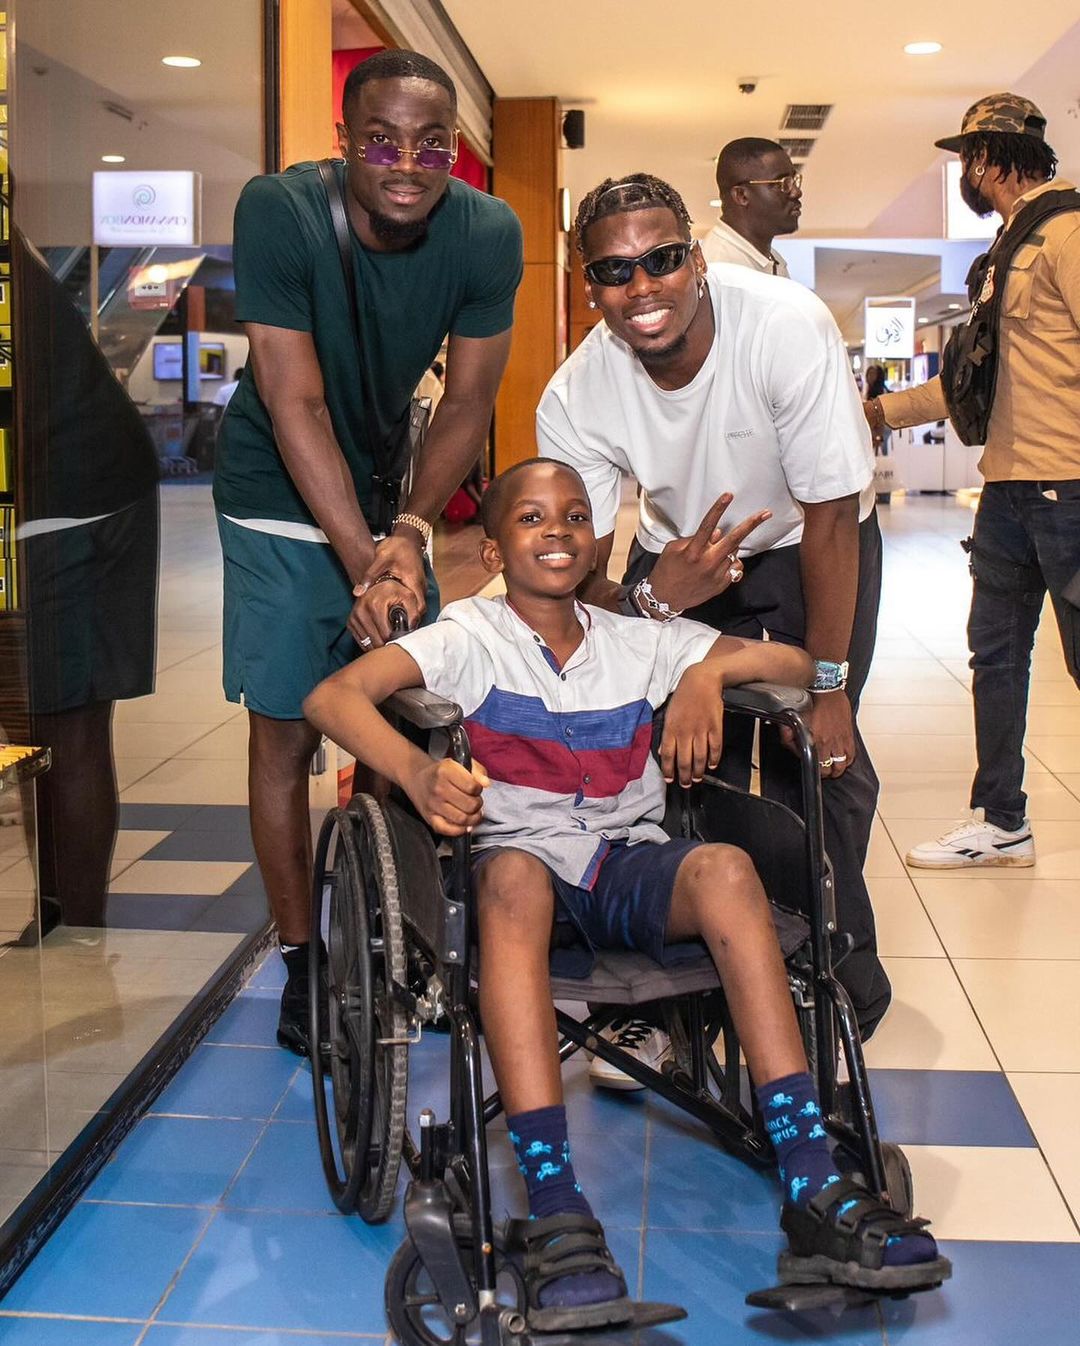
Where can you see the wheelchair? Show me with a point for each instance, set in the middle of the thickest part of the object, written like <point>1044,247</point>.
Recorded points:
<point>399,960</point>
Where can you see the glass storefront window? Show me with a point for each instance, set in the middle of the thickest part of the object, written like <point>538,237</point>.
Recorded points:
<point>126,879</point>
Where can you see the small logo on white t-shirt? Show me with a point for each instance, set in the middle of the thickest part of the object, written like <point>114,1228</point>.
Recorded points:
<point>739,434</point>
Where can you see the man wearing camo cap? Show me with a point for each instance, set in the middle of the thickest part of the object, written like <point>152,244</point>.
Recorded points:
<point>1027,530</point>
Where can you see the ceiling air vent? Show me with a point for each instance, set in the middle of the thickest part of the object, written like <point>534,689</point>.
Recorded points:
<point>805,116</point>
<point>797,150</point>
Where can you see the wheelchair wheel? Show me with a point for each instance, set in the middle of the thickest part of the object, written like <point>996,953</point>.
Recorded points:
<point>413,1310</point>
<point>368,1058</point>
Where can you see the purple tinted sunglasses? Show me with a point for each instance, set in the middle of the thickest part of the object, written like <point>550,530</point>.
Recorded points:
<point>388,154</point>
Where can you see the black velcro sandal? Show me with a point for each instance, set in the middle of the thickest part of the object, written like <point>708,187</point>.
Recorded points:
<point>829,1245</point>
<point>559,1246</point>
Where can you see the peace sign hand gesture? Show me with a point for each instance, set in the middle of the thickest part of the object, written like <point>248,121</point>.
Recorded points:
<point>691,570</point>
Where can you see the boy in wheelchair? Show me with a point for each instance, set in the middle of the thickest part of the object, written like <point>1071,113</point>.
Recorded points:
<point>558,702</point>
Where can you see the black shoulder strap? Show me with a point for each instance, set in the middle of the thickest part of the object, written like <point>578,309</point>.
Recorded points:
<point>342,233</point>
<point>1009,242</point>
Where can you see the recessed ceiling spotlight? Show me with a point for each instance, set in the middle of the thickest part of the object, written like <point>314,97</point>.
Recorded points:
<point>716,202</point>
<point>924,319</point>
<point>922,48</point>
<point>956,306</point>
<point>113,159</point>
<point>182,62</point>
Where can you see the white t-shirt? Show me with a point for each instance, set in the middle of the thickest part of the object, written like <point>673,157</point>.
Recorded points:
<point>724,244</point>
<point>773,416</point>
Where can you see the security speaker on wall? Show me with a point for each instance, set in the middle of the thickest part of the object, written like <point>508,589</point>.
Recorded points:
<point>573,129</point>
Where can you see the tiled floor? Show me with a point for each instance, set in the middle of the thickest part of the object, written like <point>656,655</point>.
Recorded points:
<point>212,1227</point>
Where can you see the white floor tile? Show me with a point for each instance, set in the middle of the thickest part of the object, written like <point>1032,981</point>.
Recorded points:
<point>1005,1195</point>
<point>178,876</point>
<point>1030,1010</point>
<point>1051,1104</point>
<point>930,1024</point>
<point>992,918</point>
<point>903,927</point>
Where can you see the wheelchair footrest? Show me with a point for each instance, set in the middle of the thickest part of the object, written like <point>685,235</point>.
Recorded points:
<point>804,1298</point>
<point>646,1314</point>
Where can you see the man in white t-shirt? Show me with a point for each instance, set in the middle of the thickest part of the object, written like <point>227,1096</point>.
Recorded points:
<point>760,197</point>
<point>707,381</point>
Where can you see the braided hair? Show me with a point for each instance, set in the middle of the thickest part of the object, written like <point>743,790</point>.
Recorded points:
<point>1010,152</point>
<point>617,196</point>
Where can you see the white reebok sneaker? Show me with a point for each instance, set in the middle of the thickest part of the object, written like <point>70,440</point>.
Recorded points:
<point>976,843</point>
<point>648,1044</point>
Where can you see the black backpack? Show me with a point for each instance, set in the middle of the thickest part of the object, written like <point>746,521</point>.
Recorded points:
<point>969,362</point>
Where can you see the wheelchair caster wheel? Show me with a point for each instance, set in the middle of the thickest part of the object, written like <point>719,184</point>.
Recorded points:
<point>415,1314</point>
<point>367,1062</point>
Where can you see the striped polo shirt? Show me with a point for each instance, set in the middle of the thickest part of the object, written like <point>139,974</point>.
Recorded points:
<point>567,749</point>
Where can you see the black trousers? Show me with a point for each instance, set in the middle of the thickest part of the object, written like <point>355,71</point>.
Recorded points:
<point>770,598</point>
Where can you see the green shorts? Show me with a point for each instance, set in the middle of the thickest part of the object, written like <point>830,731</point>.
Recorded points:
<point>286,606</point>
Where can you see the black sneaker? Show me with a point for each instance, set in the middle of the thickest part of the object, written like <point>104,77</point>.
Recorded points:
<point>293,1022</point>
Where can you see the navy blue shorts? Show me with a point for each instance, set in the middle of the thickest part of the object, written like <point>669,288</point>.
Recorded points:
<point>627,907</point>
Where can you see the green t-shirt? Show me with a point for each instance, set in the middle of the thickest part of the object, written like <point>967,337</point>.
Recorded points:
<point>460,279</point>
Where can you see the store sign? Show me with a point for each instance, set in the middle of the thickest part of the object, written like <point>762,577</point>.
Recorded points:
<point>890,329</point>
<point>146,210</point>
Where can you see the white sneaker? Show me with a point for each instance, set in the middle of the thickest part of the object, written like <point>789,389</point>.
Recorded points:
<point>976,843</point>
<point>647,1044</point>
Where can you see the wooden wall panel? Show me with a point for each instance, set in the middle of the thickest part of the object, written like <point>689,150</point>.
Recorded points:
<point>307,113</point>
<point>527,140</point>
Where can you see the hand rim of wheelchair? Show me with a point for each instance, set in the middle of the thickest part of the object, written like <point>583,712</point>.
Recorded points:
<point>368,1062</point>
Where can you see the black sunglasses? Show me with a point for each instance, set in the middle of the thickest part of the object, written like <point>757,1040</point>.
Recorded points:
<point>659,261</point>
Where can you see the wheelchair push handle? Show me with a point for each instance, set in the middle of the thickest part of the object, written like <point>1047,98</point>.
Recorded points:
<point>399,620</point>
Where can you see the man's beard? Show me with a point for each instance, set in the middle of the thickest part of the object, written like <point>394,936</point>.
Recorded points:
<point>974,199</point>
<point>397,233</point>
<point>662,357</point>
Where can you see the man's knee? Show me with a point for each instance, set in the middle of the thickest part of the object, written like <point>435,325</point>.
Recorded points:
<point>285,745</point>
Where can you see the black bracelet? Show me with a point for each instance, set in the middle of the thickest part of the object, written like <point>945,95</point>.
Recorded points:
<point>387,576</point>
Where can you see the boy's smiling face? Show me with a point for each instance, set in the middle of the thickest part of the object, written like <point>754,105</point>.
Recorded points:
<point>544,541</point>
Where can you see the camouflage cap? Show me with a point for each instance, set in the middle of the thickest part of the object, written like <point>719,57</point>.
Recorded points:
<point>1006,112</point>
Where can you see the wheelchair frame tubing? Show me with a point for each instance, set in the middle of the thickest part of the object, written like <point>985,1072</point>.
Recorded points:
<point>466,1080</point>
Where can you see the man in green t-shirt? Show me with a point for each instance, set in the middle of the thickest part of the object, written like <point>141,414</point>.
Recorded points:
<point>306,585</point>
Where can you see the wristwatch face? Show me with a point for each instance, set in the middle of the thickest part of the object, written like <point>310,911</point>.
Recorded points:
<point>830,677</point>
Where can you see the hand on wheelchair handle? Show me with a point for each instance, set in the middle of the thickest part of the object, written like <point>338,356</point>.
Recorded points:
<point>448,797</point>
<point>396,579</point>
<point>691,570</point>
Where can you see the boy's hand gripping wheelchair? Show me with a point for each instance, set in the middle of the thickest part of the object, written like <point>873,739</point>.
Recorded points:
<point>399,958</point>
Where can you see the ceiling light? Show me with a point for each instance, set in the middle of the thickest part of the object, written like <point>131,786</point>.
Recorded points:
<point>924,319</point>
<point>956,306</point>
<point>922,48</point>
<point>113,159</point>
<point>182,62</point>
<point>716,202</point>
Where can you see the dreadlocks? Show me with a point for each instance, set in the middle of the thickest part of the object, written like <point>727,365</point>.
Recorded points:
<point>1023,155</point>
<point>636,191</point>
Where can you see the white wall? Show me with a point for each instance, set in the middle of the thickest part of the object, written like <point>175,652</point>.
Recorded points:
<point>144,388</point>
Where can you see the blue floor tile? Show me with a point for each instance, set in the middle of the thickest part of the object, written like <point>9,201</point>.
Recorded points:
<point>694,1184</point>
<point>217,818</point>
<point>251,1020</point>
<point>948,1107</point>
<point>249,884</point>
<point>191,844</point>
<point>283,1173</point>
<point>156,911</point>
<point>166,1335</point>
<point>108,1261</point>
<point>241,912</point>
<point>176,1161</point>
<point>710,1275</point>
<point>67,1332</point>
<point>297,1104</point>
<point>320,1272</point>
<point>271,975</point>
<point>229,1082</point>
<point>1001,1294</point>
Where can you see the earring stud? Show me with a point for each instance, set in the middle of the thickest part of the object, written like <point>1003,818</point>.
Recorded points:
<point>592,303</point>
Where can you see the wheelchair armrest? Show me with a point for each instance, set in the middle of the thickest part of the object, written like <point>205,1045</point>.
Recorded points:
<point>424,708</point>
<point>767,699</point>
